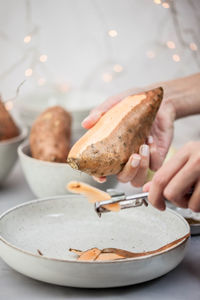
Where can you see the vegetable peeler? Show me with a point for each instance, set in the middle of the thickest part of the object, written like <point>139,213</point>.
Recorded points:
<point>123,200</point>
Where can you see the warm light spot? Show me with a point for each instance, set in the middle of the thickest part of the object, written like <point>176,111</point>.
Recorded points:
<point>41,81</point>
<point>165,5</point>
<point>64,87</point>
<point>9,105</point>
<point>193,47</point>
<point>107,77</point>
<point>150,54</point>
<point>176,57</point>
<point>157,1</point>
<point>28,72</point>
<point>43,57</point>
<point>171,45</point>
<point>118,68</point>
<point>27,39</point>
<point>112,33</point>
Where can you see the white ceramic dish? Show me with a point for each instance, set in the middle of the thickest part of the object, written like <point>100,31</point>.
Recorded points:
<point>53,225</point>
<point>8,153</point>
<point>50,179</point>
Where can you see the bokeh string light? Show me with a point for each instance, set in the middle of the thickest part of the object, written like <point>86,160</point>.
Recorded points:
<point>117,68</point>
<point>112,33</point>
<point>171,45</point>
<point>28,72</point>
<point>27,39</point>
<point>109,69</point>
<point>176,57</point>
<point>193,47</point>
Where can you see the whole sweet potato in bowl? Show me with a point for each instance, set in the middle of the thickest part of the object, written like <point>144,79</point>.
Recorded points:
<point>11,136</point>
<point>44,158</point>
<point>8,128</point>
<point>50,135</point>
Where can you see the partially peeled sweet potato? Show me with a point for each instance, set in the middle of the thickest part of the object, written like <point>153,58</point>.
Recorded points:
<point>106,147</point>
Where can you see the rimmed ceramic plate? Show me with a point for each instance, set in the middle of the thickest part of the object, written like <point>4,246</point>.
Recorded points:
<point>53,225</point>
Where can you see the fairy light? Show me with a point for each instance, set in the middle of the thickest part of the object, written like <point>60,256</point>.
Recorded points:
<point>193,47</point>
<point>9,105</point>
<point>171,45</point>
<point>165,5</point>
<point>157,1</point>
<point>27,39</point>
<point>64,87</point>
<point>117,68</point>
<point>43,57</point>
<point>112,33</point>
<point>150,54</point>
<point>176,57</point>
<point>107,77</point>
<point>28,72</point>
<point>41,81</point>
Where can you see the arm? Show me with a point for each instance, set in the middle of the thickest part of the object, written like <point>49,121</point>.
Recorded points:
<point>183,94</point>
<point>181,98</point>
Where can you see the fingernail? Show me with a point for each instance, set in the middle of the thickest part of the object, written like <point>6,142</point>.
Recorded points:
<point>150,139</point>
<point>135,160</point>
<point>85,120</point>
<point>99,179</point>
<point>144,150</point>
<point>93,116</point>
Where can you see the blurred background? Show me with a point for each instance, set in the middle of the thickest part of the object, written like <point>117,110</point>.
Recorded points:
<point>80,52</point>
<point>104,46</point>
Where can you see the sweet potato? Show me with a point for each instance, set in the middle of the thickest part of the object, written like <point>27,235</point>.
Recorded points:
<point>93,194</point>
<point>50,135</point>
<point>106,147</point>
<point>8,128</point>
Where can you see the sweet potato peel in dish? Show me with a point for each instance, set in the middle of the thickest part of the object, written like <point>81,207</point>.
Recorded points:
<point>93,194</point>
<point>109,254</point>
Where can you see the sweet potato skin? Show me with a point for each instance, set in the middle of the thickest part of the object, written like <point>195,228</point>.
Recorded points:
<point>108,156</point>
<point>8,128</point>
<point>50,135</point>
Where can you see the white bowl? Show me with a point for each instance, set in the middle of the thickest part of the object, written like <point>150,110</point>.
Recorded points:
<point>77,102</point>
<point>50,178</point>
<point>53,225</point>
<point>8,153</point>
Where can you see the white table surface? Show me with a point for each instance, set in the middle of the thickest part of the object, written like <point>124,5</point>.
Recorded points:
<point>182,283</point>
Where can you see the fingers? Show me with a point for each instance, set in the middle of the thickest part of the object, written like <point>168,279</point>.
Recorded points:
<point>93,117</point>
<point>130,169</point>
<point>155,157</point>
<point>194,202</point>
<point>96,113</point>
<point>178,186</point>
<point>139,179</point>
<point>162,178</point>
<point>146,187</point>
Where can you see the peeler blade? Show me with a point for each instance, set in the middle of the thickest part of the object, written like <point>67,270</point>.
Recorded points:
<point>124,201</point>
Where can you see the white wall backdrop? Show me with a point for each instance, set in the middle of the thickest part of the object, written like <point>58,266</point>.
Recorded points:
<point>73,36</point>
